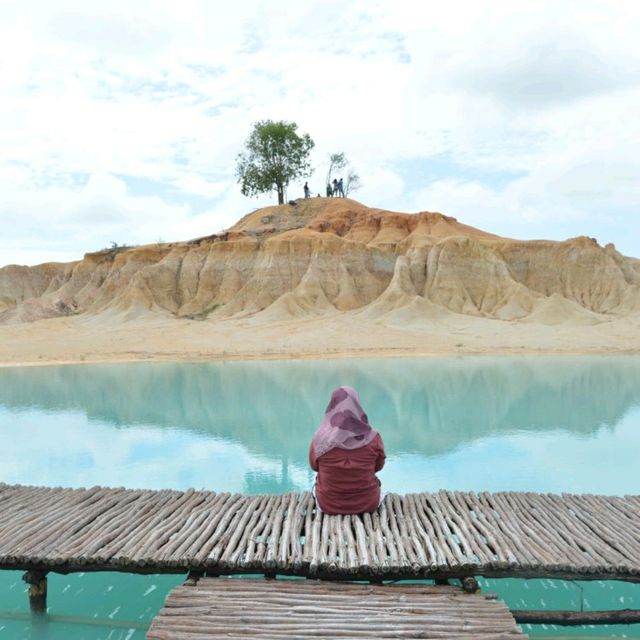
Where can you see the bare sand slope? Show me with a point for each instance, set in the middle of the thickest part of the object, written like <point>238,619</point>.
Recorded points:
<point>325,277</point>
<point>79,339</point>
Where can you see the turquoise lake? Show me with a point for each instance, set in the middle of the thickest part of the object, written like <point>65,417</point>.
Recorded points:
<point>537,424</point>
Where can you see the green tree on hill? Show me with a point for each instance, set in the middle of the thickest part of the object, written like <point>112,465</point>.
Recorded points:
<point>274,155</point>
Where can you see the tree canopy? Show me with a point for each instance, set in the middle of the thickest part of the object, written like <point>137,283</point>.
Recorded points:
<point>274,155</point>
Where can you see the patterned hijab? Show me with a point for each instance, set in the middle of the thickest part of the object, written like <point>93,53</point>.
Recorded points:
<point>345,424</point>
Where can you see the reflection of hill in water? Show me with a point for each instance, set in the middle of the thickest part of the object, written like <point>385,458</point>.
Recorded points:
<point>421,406</point>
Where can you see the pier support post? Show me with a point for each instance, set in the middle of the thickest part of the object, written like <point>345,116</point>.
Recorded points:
<point>470,585</point>
<point>193,577</point>
<point>37,581</point>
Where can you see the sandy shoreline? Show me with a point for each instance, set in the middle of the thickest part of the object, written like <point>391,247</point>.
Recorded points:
<point>373,354</point>
<point>96,339</point>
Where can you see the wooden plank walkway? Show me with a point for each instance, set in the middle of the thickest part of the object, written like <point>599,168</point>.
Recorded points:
<point>444,534</point>
<point>284,609</point>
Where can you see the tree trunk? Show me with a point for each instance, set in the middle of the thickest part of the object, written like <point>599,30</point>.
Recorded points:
<point>280,189</point>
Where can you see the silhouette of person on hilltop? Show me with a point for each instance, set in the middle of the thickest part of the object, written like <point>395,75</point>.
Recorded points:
<point>307,191</point>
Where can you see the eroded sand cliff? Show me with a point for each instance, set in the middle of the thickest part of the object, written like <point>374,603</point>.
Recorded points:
<point>326,255</point>
<point>330,263</point>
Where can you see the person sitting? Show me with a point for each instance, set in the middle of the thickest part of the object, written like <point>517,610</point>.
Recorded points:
<point>346,452</point>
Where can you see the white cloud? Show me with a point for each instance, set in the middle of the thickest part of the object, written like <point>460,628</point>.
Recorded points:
<point>101,212</point>
<point>533,108</point>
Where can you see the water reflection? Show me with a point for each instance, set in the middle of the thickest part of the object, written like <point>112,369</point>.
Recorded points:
<point>426,405</point>
<point>494,423</point>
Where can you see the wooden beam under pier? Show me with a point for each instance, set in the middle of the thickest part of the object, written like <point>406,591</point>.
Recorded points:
<point>576,618</point>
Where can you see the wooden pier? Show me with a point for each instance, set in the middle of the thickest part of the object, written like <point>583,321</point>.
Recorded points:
<point>283,609</point>
<point>448,534</point>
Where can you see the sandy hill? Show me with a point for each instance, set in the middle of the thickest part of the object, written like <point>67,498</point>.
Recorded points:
<point>325,256</point>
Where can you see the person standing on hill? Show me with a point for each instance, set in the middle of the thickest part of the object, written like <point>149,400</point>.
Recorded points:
<point>329,190</point>
<point>307,191</point>
<point>335,188</point>
<point>341,188</point>
<point>346,452</point>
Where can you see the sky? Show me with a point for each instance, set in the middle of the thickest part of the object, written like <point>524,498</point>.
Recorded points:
<point>122,121</point>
